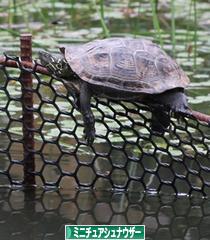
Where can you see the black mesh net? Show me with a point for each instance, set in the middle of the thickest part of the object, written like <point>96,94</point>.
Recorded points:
<point>126,154</point>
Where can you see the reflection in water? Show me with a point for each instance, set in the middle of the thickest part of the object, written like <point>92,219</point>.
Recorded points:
<point>41,214</point>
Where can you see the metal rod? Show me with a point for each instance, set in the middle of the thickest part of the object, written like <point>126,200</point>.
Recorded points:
<point>27,105</point>
<point>26,64</point>
<point>201,117</point>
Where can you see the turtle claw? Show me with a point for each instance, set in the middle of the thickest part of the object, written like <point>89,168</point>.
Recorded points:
<point>76,104</point>
<point>178,111</point>
<point>89,135</point>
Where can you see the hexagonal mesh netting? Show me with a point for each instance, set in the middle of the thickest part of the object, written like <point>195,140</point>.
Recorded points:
<point>126,154</point>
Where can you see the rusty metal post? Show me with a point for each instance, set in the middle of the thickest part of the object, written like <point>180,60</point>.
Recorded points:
<point>28,118</point>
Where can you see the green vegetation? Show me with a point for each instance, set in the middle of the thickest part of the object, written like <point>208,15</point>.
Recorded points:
<point>156,24</point>
<point>99,18</point>
<point>173,26</point>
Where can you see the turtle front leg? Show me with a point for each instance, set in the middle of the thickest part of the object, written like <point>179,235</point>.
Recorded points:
<point>88,118</point>
<point>76,101</point>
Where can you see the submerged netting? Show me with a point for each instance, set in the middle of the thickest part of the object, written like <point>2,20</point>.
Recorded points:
<point>126,154</point>
<point>45,217</point>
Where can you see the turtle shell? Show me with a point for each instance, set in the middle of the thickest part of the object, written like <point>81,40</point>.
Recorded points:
<point>126,64</point>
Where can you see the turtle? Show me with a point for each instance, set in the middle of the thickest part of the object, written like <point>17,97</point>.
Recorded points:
<point>131,69</point>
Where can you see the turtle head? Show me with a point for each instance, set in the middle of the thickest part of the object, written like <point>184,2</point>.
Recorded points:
<point>56,64</point>
<point>59,68</point>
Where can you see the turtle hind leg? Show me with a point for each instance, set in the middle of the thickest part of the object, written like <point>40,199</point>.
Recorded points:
<point>160,120</point>
<point>162,104</point>
<point>175,100</point>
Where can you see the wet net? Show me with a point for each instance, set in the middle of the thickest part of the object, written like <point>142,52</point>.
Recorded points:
<point>42,142</point>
